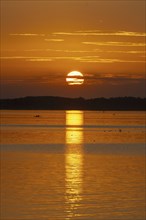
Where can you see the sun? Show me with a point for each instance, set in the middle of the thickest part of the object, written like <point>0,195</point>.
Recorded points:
<point>75,78</point>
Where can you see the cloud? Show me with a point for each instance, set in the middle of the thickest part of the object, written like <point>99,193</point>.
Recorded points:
<point>32,59</point>
<point>27,34</point>
<point>100,33</point>
<point>104,60</point>
<point>116,44</point>
<point>114,75</point>
<point>95,59</point>
<point>27,58</point>
<point>39,59</point>
<point>86,59</point>
<point>54,40</point>
<point>89,79</point>
<point>86,33</point>
<point>114,79</point>
<point>13,57</point>
<point>120,51</point>
<point>39,79</point>
<point>84,51</point>
<point>57,50</point>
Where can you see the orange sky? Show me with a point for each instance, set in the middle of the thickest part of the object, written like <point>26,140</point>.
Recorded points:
<point>42,41</point>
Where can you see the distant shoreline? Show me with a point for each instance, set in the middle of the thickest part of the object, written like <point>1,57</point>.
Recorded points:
<point>63,103</point>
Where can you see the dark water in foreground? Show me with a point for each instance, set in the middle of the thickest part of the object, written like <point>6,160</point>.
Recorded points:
<point>72,165</point>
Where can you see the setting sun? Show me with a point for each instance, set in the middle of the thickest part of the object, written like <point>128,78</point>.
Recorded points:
<point>75,78</point>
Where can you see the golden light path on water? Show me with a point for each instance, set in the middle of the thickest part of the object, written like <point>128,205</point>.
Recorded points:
<point>74,162</point>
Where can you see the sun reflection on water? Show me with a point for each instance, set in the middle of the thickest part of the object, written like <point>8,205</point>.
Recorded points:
<point>74,162</point>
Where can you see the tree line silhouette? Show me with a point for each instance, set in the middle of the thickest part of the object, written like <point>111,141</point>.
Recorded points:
<point>63,103</point>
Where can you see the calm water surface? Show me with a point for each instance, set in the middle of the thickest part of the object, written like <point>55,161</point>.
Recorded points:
<point>72,165</point>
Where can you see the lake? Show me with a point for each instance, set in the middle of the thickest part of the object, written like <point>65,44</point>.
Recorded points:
<point>87,165</point>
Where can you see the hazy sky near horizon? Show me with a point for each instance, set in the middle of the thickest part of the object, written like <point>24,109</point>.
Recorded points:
<point>42,41</point>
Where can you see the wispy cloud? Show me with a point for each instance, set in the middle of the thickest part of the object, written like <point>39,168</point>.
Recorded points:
<point>54,40</point>
<point>85,59</point>
<point>57,50</point>
<point>89,78</point>
<point>87,51</point>
<point>86,33</point>
<point>98,75</point>
<point>13,57</point>
<point>37,59</point>
<point>27,34</point>
<point>107,60</point>
<point>49,78</point>
<point>31,58</point>
<point>121,51</point>
<point>116,44</point>
<point>115,79</point>
<point>97,60</point>
<point>100,33</point>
